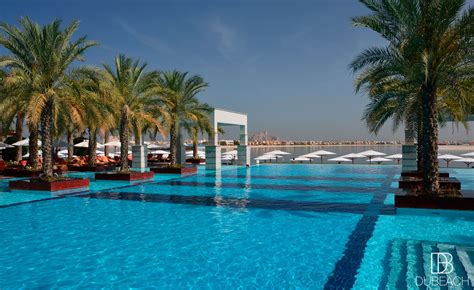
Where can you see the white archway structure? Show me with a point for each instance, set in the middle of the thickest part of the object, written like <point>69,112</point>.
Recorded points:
<point>213,149</point>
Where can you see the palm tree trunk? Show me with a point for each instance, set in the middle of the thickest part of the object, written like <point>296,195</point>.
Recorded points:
<point>18,135</point>
<point>106,140</point>
<point>70,140</point>
<point>430,141</point>
<point>124,132</point>
<point>173,141</point>
<point>47,139</point>
<point>33,146</point>
<point>92,148</point>
<point>195,150</point>
<point>419,147</point>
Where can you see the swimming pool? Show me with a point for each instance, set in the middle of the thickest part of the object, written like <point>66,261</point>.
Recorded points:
<point>269,226</point>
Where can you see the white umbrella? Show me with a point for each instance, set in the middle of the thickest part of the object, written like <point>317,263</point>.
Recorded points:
<point>158,152</point>
<point>28,154</point>
<point>468,154</point>
<point>380,160</point>
<point>231,153</point>
<point>353,156</point>
<point>277,152</point>
<point>266,157</point>
<point>113,144</point>
<point>371,153</point>
<point>25,142</point>
<point>154,146</point>
<point>311,156</point>
<point>397,157</point>
<point>300,159</point>
<point>468,161</point>
<point>85,144</point>
<point>448,157</point>
<point>323,153</point>
<point>340,159</point>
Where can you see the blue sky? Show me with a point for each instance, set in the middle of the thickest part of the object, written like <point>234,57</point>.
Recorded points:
<point>285,63</point>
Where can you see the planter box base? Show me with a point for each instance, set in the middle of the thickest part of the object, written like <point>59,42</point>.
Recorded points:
<point>91,168</point>
<point>14,172</point>
<point>172,170</point>
<point>40,185</point>
<point>419,174</point>
<point>402,200</point>
<point>120,176</point>
<point>409,183</point>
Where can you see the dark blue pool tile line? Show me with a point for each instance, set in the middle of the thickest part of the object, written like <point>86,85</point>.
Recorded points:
<point>273,204</point>
<point>345,271</point>
<point>290,177</point>
<point>329,188</point>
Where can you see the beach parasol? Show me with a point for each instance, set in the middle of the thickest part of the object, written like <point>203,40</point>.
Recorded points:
<point>323,153</point>
<point>467,161</point>
<point>340,159</point>
<point>380,160</point>
<point>371,153</point>
<point>300,159</point>
<point>397,157</point>
<point>353,156</point>
<point>448,158</point>
<point>25,142</point>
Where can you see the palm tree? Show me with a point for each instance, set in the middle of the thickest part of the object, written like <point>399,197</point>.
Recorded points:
<point>44,54</point>
<point>179,94</point>
<point>427,63</point>
<point>131,89</point>
<point>201,125</point>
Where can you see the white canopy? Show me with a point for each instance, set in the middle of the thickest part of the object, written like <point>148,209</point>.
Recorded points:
<point>159,152</point>
<point>300,158</point>
<point>323,152</point>
<point>25,142</point>
<point>230,153</point>
<point>468,161</point>
<point>153,146</point>
<point>28,154</point>
<point>468,154</point>
<point>340,159</point>
<point>277,152</point>
<point>448,157</point>
<point>266,157</point>
<point>311,155</point>
<point>372,153</point>
<point>85,144</point>
<point>380,159</point>
<point>395,156</point>
<point>353,155</point>
<point>114,144</point>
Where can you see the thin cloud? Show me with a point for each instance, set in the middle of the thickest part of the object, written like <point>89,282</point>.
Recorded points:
<point>150,41</point>
<point>227,41</point>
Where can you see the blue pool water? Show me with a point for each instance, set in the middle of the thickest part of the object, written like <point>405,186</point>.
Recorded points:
<point>270,226</point>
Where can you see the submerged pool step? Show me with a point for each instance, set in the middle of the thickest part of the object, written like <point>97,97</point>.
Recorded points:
<point>410,265</point>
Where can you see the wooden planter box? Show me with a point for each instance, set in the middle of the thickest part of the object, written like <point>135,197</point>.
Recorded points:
<point>418,174</point>
<point>416,183</point>
<point>434,202</point>
<point>41,185</point>
<point>122,176</point>
<point>17,172</point>
<point>174,170</point>
<point>99,168</point>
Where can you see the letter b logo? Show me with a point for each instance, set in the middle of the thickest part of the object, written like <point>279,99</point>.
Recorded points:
<point>441,263</point>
